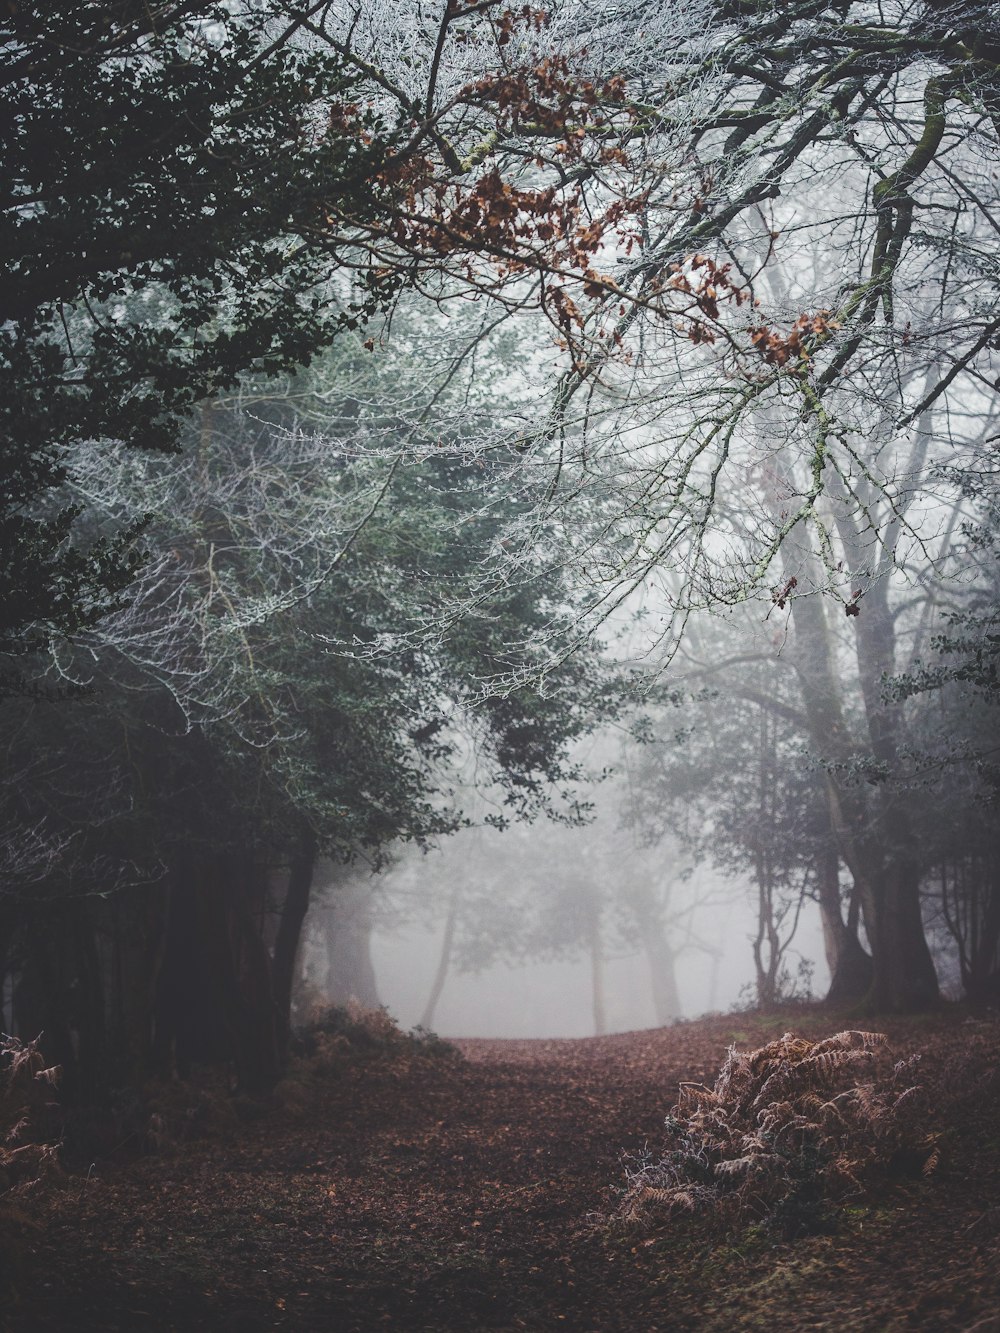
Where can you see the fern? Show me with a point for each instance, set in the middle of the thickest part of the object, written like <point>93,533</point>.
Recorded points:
<point>786,1129</point>
<point>26,1084</point>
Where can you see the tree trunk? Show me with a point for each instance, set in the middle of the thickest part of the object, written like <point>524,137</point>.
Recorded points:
<point>597,973</point>
<point>348,929</point>
<point>904,975</point>
<point>239,972</point>
<point>850,966</point>
<point>286,944</point>
<point>662,976</point>
<point>874,847</point>
<point>444,961</point>
<point>904,978</point>
<point>983,976</point>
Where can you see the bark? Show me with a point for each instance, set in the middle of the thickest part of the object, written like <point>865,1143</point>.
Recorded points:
<point>983,981</point>
<point>767,949</point>
<point>904,975</point>
<point>850,966</point>
<point>286,944</point>
<point>904,978</point>
<point>648,904</point>
<point>245,978</point>
<point>874,844</point>
<point>350,972</point>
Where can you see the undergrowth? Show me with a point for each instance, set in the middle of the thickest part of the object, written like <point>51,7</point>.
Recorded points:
<point>28,1150</point>
<point>787,1130</point>
<point>339,1032</point>
<point>338,1040</point>
<point>29,1146</point>
<point>167,1114</point>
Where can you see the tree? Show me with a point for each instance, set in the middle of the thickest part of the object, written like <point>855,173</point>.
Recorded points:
<point>556,891</point>
<point>807,325</point>
<point>732,783</point>
<point>242,730</point>
<point>950,687</point>
<point>195,190</point>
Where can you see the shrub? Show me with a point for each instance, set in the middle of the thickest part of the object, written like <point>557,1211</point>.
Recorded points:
<point>27,1149</point>
<point>339,1033</point>
<point>786,1130</point>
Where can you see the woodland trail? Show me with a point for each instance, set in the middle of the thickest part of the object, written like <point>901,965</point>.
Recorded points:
<point>417,1191</point>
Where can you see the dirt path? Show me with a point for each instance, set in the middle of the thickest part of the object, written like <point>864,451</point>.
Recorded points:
<point>426,1193</point>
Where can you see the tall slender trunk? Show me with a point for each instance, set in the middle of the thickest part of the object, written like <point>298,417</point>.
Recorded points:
<point>444,960</point>
<point>597,971</point>
<point>767,945</point>
<point>857,844</point>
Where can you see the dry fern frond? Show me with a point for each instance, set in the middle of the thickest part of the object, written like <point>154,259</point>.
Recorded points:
<point>697,1094</point>
<point>770,1118</point>
<point>933,1158</point>
<point>650,1194</point>
<point>26,1154</point>
<point>827,1063</point>
<point>851,1039</point>
<point>786,1127</point>
<point>734,1166</point>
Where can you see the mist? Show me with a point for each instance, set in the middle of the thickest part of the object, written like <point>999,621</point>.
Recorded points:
<point>481,936</point>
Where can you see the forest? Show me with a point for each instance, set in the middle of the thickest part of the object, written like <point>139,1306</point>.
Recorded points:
<point>500,513</point>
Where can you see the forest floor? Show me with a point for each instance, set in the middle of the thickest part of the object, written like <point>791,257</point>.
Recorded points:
<point>407,1188</point>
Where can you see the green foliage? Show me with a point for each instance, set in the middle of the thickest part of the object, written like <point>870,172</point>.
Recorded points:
<point>163,177</point>
<point>295,674</point>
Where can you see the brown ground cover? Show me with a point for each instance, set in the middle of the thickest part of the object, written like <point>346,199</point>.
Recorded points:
<point>401,1189</point>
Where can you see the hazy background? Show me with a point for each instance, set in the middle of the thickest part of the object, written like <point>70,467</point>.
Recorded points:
<point>553,999</point>
<point>547,990</point>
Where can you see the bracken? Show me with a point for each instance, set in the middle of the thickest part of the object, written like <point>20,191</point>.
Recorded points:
<point>786,1130</point>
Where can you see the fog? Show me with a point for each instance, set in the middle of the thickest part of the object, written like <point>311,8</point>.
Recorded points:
<point>516,968</point>
<point>554,999</point>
